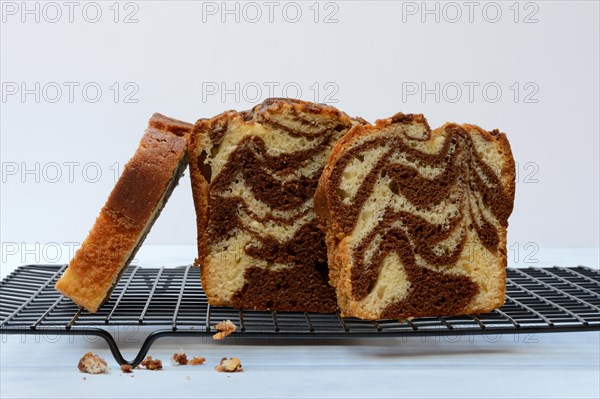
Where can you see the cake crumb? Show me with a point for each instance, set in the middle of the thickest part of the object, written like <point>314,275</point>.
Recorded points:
<point>152,364</point>
<point>195,361</point>
<point>126,368</point>
<point>232,365</point>
<point>224,328</point>
<point>84,378</point>
<point>188,378</point>
<point>92,364</point>
<point>179,359</point>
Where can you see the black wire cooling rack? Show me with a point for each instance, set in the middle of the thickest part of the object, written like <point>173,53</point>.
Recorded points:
<point>172,303</point>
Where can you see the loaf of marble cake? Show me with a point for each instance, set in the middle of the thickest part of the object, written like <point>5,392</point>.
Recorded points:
<point>416,220</point>
<point>129,213</point>
<point>254,175</point>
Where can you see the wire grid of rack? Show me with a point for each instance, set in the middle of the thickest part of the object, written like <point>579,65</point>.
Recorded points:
<point>171,300</point>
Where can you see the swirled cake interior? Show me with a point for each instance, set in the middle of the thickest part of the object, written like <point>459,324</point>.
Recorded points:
<point>416,219</point>
<point>254,175</point>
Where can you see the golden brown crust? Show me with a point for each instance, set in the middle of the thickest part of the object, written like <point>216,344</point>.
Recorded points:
<point>509,175</point>
<point>333,232</point>
<point>171,125</point>
<point>200,195</point>
<point>127,216</point>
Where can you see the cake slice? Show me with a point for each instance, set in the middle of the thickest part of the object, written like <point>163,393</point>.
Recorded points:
<point>416,219</point>
<point>254,175</point>
<point>132,207</point>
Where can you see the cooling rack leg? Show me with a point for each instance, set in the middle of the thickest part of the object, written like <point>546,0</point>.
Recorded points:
<point>106,336</point>
<point>116,352</point>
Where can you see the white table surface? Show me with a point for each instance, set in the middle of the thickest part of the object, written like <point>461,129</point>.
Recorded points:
<point>557,365</point>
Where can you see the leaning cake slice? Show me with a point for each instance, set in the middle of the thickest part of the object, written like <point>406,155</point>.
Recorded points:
<point>416,219</point>
<point>132,207</point>
<point>254,175</point>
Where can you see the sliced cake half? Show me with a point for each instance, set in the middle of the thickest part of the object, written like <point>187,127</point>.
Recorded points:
<point>132,207</point>
<point>254,175</point>
<point>416,219</point>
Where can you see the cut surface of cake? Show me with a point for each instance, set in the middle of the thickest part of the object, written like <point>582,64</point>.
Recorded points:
<point>254,176</point>
<point>416,220</point>
<point>134,204</point>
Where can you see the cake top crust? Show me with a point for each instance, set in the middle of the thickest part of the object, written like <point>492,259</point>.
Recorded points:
<point>162,145</point>
<point>281,114</point>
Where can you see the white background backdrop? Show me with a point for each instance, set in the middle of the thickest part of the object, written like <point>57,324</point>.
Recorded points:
<point>533,68</point>
<point>529,69</point>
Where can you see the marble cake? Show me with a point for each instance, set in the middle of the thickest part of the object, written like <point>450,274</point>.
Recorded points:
<point>254,175</point>
<point>129,213</point>
<point>416,219</point>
